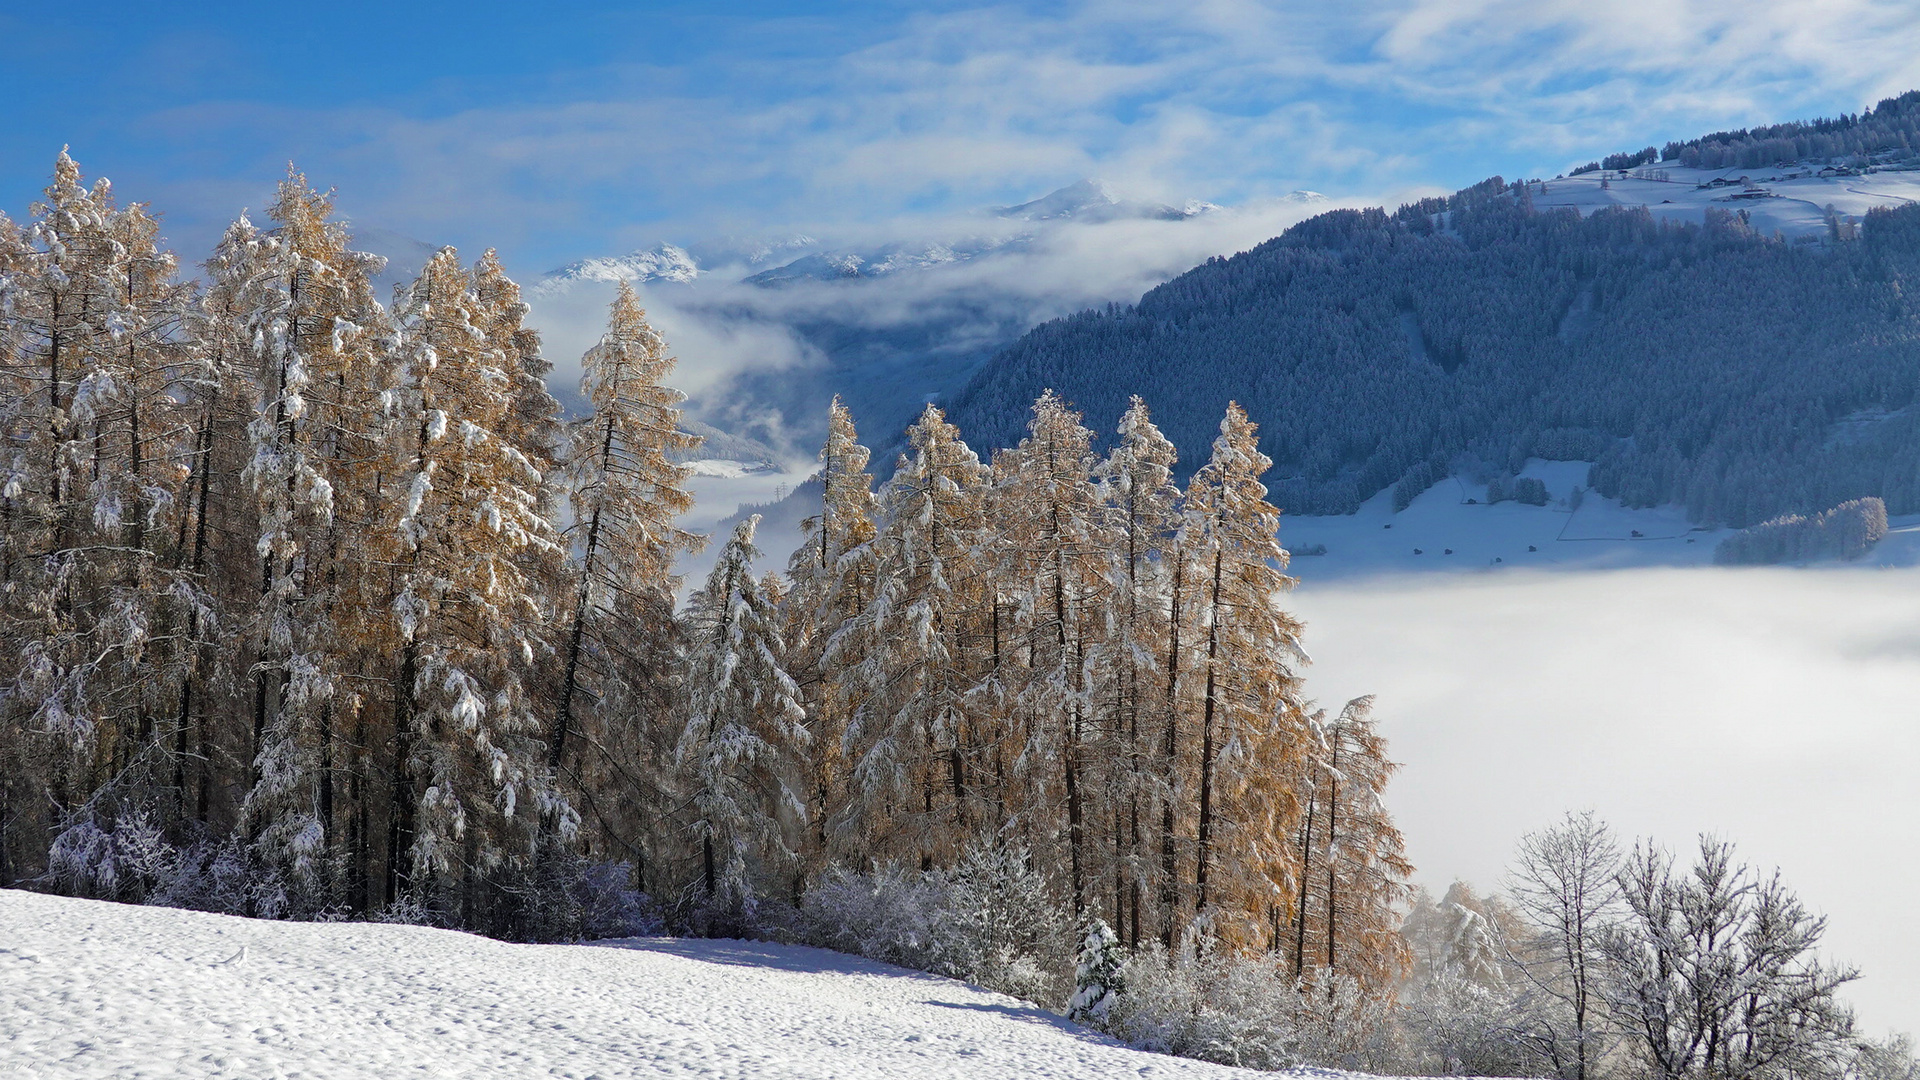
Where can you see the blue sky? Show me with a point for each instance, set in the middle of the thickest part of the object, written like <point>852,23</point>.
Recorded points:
<point>560,131</point>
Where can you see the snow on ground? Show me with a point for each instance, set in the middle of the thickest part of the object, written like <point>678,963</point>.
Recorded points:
<point>1443,531</point>
<point>91,989</point>
<point>1792,201</point>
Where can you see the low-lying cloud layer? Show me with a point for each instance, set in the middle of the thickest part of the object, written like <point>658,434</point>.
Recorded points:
<point>722,328</point>
<point>1773,708</point>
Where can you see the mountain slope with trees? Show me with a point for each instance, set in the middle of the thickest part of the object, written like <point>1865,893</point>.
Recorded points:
<point>1741,375</point>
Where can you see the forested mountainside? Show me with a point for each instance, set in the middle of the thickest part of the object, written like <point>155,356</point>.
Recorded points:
<point>1893,123</point>
<point>1741,374</point>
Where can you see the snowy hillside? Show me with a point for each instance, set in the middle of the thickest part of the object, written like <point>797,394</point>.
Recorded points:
<point>1790,199</point>
<point>1452,527</point>
<point>91,989</point>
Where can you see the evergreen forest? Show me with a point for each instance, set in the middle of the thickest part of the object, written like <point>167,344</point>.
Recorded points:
<point>1740,375</point>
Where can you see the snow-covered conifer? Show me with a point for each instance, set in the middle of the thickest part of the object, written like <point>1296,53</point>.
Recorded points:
<point>470,782</point>
<point>91,480</point>
<point>300,307</point>
<point>906,745</point>
<point>619,660</point>
<point>1098,977</point>
<point>1054,555</point>
<point>1252,730</point>
<point>745,733</point>
<point>832,580</point>
<point>1351,861</point>
<point>1142,513</point>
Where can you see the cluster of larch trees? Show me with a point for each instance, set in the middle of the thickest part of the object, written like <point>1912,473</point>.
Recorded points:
<point>284,586</point>
<point>322,606</point>
<point>1068,652</point>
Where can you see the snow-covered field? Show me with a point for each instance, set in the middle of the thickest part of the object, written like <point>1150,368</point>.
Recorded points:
<point>1792,201</point>
<point>96,990</point>
<point>1444,531</point>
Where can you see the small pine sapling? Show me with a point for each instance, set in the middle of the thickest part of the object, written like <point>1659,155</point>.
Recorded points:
<point>1099,976</point>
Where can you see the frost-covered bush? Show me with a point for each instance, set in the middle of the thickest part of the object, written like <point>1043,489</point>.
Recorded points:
<point>1233,1010</point>
<point>213,874</point>
<point>1457,1027</point>
<point>889,914</point>
<point>1009,930</point>
<point>1250,1011</point>
<point>132,861</point>
<point>991,920</point>
<point>124,860</point>
<point>407,909</point>
<point>563,896</point>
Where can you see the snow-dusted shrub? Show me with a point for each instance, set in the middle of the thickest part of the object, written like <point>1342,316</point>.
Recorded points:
<point>890,914</point>
<point>1233,1010</point>
<point>132,861</point>
<point>213,874</point>
<point>991,920</point>
<point>1342,1026</point>
<point>1250,1011</point>
<point>562,896</point>
<point>407,909</point>
<point>1457,1027</point>
<point>727,912</point>
<point>1007,930</point>
<point>126,860</point>
<point>82,861</point>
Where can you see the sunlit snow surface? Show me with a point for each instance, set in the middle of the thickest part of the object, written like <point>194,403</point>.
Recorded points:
<point>1451,527</point>
<point>90,989</point>
<point>1791,201</point>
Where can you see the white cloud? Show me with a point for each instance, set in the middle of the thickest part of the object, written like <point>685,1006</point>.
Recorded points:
<point>1226,100</point>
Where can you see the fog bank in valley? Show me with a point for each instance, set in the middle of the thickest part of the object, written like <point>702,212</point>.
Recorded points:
<point>1774,708</point>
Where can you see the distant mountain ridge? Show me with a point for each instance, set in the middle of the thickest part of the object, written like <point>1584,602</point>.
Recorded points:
<point>799,257</point>
<point>1090,200</point>
<point>890,324</point>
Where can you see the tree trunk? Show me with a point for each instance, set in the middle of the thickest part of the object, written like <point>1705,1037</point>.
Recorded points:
<point>1205,833</point>
<point>1169,864</point>
<point>400,817</point>
<point>564,718</point>
<point>1306,867</point>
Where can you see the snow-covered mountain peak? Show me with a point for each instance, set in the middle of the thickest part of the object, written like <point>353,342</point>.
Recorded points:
<point>1092,200</point>
<point>662,262</point>
<point>750,250</point>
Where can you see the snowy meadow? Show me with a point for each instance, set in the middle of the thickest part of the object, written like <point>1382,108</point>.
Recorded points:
<point>1770,707</point>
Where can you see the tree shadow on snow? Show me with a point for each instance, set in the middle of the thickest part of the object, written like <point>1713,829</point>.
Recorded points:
<point>805,959</point>
<point>1030,1013</point>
